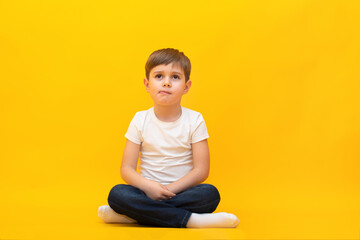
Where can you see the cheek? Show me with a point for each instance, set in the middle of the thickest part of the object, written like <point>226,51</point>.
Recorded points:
<point>152,85</point>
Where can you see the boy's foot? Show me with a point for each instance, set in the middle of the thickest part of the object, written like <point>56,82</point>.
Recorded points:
<point>212,220</point>
<point>108,215</point>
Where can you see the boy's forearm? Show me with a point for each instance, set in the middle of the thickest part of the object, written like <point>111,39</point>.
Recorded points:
<point>133,178</point>
<point>193,178</point>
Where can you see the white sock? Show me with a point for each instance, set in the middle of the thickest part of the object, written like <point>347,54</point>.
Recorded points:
<point>212,220</point>
<point>108,215</point>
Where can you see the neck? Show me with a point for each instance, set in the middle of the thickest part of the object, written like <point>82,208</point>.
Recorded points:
<point>167,113</point>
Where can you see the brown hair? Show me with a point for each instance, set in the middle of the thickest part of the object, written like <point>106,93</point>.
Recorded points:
<point>166,56</point>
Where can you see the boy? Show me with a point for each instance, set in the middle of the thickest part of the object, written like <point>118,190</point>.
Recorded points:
<point>174,157</point>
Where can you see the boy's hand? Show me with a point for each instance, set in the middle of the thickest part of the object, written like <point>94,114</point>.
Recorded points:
<point>157,191</point>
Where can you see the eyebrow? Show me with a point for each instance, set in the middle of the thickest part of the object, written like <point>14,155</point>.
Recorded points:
<point>172,72</point>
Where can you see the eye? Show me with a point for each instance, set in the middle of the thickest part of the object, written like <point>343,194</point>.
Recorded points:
<point>158,76</point>
<point>176,77</point>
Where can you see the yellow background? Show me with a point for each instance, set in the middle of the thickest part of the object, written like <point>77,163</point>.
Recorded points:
<point>277,82</point>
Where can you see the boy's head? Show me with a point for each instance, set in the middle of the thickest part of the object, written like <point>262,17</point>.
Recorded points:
<point>166,56</point>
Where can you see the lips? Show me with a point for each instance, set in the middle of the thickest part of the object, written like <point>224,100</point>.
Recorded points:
<point>164,92</point>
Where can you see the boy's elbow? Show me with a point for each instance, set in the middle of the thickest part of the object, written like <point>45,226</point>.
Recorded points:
<point>206,175</point>
<point>123,172</point>
<point>203,175</point>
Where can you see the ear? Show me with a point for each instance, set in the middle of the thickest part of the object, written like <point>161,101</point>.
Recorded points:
<point>187,86</point>
<point>146,83</point>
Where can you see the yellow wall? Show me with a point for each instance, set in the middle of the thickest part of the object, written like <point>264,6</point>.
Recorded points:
<point>276,81</point>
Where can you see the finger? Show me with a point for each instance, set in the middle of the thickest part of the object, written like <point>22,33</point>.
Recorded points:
<point>169,190</point>
<point>164,187</point>
<point>169,194</point>
<point>162,198</point>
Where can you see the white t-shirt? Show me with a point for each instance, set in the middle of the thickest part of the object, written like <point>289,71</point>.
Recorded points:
<point>166,147</point>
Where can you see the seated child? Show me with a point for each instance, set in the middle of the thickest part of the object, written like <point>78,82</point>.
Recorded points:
<point>174,157</point>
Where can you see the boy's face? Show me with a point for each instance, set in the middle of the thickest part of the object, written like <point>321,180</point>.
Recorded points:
<point>166,84</point>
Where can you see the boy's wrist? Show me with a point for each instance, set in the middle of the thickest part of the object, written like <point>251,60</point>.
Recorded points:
<point>172,188</point>
<point>144,183</point>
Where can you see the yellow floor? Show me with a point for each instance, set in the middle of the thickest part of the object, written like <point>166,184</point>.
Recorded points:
<point>69,212</point>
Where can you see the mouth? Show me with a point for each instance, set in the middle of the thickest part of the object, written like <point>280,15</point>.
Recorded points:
<point>164,92</point>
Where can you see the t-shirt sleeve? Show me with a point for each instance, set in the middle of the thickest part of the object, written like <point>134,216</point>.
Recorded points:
<point>200,131</point>
<point>133,132</point>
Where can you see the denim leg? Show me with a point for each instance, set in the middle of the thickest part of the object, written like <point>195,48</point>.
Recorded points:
<point>203,198</point>
<point>132,202</point>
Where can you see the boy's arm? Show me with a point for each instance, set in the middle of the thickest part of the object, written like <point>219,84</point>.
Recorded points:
<point>200,172</point>
<point>152,189</point>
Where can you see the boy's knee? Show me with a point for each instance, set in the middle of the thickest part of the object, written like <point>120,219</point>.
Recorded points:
<point>211,191</point>
<point>117,193</point>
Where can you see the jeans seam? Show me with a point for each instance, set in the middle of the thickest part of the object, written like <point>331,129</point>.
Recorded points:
<point>182,223</point>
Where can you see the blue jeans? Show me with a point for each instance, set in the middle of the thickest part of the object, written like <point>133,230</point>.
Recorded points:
<point>174,212</point>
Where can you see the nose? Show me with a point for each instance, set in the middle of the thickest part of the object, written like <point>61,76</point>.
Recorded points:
<point>167,82</point>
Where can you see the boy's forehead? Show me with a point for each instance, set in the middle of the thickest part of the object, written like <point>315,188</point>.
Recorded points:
<point>171,67</point>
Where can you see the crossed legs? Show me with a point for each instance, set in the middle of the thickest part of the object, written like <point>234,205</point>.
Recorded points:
<point>191,208</point>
